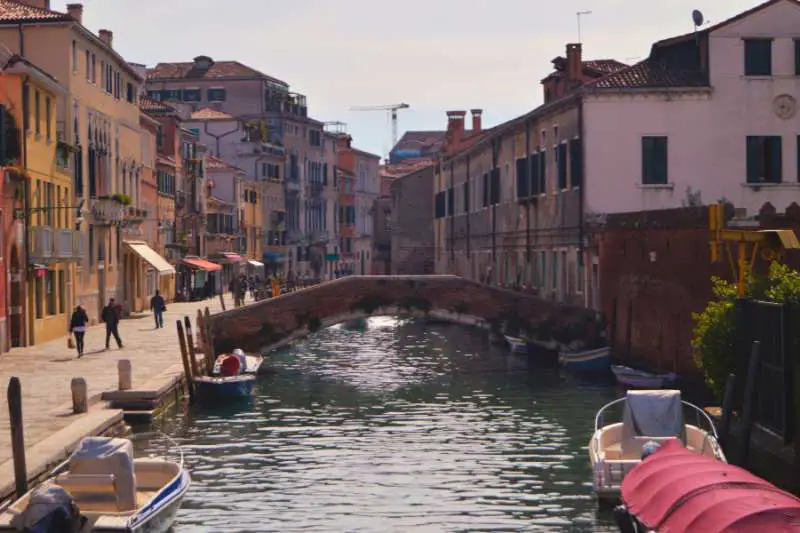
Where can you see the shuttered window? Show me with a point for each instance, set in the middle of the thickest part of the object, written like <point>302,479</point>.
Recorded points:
<point>485,190</point>
<point>440,204</point>
<point>451,202</point>
<point>654,160</point>
<point>764,159</point>
<point>543,172</point>
<point>561,159</point>
<point>536,175</point>
<point>758,57</point>
<point>495,186</point>
<point>797,57</point>
<point>576,162</point>
<point>523,179</point>
<point>466,197</point>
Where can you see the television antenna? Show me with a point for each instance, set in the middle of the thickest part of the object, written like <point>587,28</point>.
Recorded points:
<point>579,14</point>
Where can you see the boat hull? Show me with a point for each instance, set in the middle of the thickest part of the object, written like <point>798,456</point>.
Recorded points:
<point>231,387</point>
<point>594,361</point>
<point>639,379</point>
<point>517,344</point>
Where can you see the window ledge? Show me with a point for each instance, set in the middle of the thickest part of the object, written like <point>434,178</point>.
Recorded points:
<point>760,77</point>
<point>772,185</point>
<point>655,186</point>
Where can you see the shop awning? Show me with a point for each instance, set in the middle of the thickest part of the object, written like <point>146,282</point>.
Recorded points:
<point>256,263</point>
<point>233,258</point>
<point>151,257</point>
<point>272,257</point>
<point>201,264</point>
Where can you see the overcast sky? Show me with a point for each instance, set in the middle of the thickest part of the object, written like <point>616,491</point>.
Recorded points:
<point>432,54</point>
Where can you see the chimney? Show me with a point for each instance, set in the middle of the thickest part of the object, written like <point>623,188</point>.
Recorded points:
<point>107,36</point>
<point>574,64</point>
<point>476,120</point>
<point>455,129</point>
<point>76,12</point>
<point>203,62</point>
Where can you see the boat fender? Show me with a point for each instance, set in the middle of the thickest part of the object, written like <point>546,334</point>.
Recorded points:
<point>230,366</point>
<point>624,520</point>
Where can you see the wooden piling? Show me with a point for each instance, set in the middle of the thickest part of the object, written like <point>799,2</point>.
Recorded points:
<point>14,396</point>
<point>190,345</point>
<point>125,372</point>
<point>747,404</point>
<point>727,410</point>
<point>187,368</point>
<point>200,332</point>
<point>80,395</point>
<point>208,340</point>
<point>222,301</point>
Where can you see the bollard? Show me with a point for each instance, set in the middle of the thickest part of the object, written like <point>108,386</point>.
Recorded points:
<point>190,346</point>
<point>125,372</point>
<point>80,399</point>
<point>14,397</point>
<point>187,369</point>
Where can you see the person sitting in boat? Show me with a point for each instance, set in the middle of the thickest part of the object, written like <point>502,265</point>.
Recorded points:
<point>240,355</point>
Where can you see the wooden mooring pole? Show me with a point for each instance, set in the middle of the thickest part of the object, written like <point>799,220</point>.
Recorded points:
<point>187,368</point>
<point>190,345</point>
<point>222,301</point>
<point>727,410</point>
<point>747,404</point>
<point>208,340</point>
<point>200,332</point>
<point>14,397</point>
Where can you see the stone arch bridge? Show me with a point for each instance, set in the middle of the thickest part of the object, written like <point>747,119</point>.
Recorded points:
<point>271,323</point>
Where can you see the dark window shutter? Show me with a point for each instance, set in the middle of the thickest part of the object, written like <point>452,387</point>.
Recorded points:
<point>774,160</point>
<point>466,197</point>
<point>542,172</point>
<point>798,158</point>
<point>797,57</point>
<point>758,57</point>
<point>661,159</point>
<point>440,205</point>
<point>562,166</point>
<point>654,160</point>
<point>485,190</point>
<point>576,162</point>
<point>523,183</point>
<point>533,164</point>
<point>647,160</point>
<point>755,163</point>
<point>495,182</point>
<point>451,201</point>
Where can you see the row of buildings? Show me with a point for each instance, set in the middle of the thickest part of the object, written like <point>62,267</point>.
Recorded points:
<point>120,180</point>
<point>707,116</point>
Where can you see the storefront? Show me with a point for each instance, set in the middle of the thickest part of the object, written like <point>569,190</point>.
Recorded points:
<point>195,278</point>
<point>145,272</point>
<point>232,265</point>
<point>274,263</point>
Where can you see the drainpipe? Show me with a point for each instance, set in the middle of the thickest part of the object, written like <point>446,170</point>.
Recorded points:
<point>27,336</point>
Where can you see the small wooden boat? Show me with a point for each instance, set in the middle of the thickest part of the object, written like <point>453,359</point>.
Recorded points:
<point>631,377</point>
<point>517,344</point>
<point>595,360</point>
<point>239,386</point>
<point>677,490</point>
<point>649,416</point>
<point>249,363</point>
<point>103,489</point>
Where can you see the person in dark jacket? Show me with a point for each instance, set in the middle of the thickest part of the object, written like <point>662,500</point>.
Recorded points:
<point>158,306</point>
<point>77,326</point>
<point>111,316</point>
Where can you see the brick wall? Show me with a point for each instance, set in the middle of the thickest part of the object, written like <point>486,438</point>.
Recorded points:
<point>655,271</point>
<point>264,323</point>
<point>412,240</point>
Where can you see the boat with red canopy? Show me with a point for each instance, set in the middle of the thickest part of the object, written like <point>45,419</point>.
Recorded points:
<point>675,490</point>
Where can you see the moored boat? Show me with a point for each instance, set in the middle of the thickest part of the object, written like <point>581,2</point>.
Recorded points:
<point>237,386</point>
<point>248,364</point>
<point>594,360</point>
<point>677,490</point>
<point>103,489</point>
<point>516,344</point>
<point>649,416</point>
<point>631,377</point>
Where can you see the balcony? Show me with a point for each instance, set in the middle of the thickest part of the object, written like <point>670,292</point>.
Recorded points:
<point>278,220</point>
<point>318,237</point>
<point>134,214</point>
<point>106,211</point>
<point>316,187</point>
<point>49,245</point>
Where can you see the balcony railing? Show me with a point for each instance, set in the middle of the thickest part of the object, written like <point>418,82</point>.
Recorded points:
<point>134,214</point>
<point>106,211</point>
<point>49,245</point>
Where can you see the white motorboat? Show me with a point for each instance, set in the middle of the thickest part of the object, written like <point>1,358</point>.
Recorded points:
<point>103,489</point>
<point>516,344</point>
<point>649,416</point>
<point>631,377</point>
<point>242,364</point>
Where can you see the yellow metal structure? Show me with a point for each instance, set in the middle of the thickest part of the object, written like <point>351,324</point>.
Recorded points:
<point>748,242</point>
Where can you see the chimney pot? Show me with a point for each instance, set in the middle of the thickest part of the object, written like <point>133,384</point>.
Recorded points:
<point>107,36</point>
<point>76,12</point>
<point>476,120</point>
<point>455,129</point>
<point>574,64</point>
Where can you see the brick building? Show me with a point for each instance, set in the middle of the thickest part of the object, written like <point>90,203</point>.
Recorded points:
<point>412,242</point>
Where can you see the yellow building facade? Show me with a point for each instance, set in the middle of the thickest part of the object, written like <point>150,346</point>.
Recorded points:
<point>98,117</point>
<point>251,212</point>
<point>47,213</point>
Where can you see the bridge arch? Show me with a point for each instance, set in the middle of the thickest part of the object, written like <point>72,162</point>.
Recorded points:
<point>271,323</point>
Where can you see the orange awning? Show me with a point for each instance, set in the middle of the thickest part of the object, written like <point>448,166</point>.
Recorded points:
<point>202,264</point>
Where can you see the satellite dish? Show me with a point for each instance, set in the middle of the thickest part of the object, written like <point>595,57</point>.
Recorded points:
<point>697,17</point>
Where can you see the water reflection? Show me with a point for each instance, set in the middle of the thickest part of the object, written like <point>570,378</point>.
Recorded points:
<point>405,427</point>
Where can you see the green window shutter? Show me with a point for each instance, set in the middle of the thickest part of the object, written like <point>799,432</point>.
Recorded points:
<point>533,164</point>
<point>758,57</point>
<point>797,57</point>
<point>661,160</point>
<point>542,172</point>
<point>647,160</point>
<point>576,162</point>
<point>774,173</point>
<point>523,182</point>
<point>562,166</point>
<point>755,163</point>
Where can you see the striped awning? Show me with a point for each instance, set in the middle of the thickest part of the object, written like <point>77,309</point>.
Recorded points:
<point>201,264</point>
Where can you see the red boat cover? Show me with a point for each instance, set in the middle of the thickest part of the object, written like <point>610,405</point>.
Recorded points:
<point>678,491</point>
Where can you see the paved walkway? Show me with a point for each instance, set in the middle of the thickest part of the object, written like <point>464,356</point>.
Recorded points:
<point>45,371</point>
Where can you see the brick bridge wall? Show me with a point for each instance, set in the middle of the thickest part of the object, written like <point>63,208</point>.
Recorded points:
<point>270,323</point>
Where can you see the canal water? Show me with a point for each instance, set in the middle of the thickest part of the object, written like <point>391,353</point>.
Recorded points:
<point>404,427</point>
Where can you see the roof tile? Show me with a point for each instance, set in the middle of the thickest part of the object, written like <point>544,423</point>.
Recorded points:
<point>17,11</point>
<point>217,70</point>
<point>148,105</point>
<point>208,113</point>
<point>649,74</point>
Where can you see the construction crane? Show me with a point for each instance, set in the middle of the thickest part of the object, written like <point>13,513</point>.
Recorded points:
<point>392,109</point>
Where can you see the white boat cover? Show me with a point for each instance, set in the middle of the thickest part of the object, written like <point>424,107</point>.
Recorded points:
<point>653,413</point>
<point>44,500</point>
<point>104,455</point>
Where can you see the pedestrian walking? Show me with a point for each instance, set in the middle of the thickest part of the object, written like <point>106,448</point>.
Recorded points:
<point>77,326</point>
<point>158,306</point>
<point>111,315</point>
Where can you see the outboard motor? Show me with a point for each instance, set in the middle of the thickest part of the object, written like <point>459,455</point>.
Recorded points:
<point>50,509</point>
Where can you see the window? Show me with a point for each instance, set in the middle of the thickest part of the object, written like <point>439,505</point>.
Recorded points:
<point>37,123</point>
<point>94,69</point>
<point>62,292</point>
<point>171,94</point>
<point>798,158</point>
<point>315,137</point>
<point>131,93</point>
<point>74,56</point>
<point>50,288</point>
<point>88,66</point>
<point>758,57</point>
<point>37,297</point>
<point>216,95</point>
<point>451,202</point>
<point>26,108</point>
<point>654,160</point>
<point>536,175</point>
<point>555,270</point>
<point>47,117</point>
<point>576,162</point>
<point>191,95</point>
<point>561,163</point>
<point>440,204</point>
<point>797,57</point>
<point>466,197</point>
<point>523,180</point>
<point>494,177</point>
<point>764,159</point>
<point>155,95</point>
